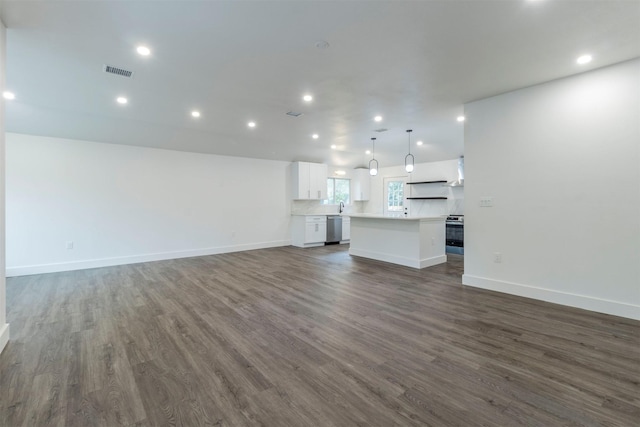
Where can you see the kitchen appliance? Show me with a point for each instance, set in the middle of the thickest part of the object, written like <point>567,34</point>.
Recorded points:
<point>334,229</point>
<point>454,234</point>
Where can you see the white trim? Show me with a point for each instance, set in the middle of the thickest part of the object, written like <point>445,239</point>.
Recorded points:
<point>134,259</point>
<point>4,336</point>
<point>599,305</point>
<point>407,262</point>
<point>309,245</point>
<point>428,262</point>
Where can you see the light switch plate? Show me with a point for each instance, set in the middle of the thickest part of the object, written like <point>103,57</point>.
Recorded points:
<point>486,202</point>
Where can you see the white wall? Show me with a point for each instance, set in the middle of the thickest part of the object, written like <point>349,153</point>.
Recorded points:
<point>120,204</point>
<point>561,161</point>
<point>431,171</point>
<point>4,326</point>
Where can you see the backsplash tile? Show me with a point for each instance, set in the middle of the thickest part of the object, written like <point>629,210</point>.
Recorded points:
<point>304,207</point>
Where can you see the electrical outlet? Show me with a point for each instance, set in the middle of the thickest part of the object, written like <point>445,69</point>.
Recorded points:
<point>497,257</point>
<point>486,202</point>
<point>433,241</point>
<point>69,245</point>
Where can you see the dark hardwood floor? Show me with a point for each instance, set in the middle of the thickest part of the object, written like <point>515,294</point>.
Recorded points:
<point>306,337</point>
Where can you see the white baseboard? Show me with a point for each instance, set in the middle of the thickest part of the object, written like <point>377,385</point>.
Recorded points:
<point>428,262</point>
<point>134,259</point>
<point>308,245</point>
<point>599,305</point>
<point>4,336</point>
<point>394,259</point>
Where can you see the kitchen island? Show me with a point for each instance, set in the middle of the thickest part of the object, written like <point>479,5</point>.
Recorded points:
<point>416,242</point>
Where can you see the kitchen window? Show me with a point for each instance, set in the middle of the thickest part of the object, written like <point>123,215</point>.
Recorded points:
<point>338,190</point>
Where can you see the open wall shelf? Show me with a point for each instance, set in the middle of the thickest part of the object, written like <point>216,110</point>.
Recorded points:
<point>426,198</point>
<point>427,182</point>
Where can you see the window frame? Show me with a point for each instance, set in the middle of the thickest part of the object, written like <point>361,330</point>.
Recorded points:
<point>332,192</point>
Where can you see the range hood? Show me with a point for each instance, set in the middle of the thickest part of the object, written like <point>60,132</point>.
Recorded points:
<point>460,181</point>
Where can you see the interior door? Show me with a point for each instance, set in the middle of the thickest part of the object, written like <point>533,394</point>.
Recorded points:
<point>394,201</point>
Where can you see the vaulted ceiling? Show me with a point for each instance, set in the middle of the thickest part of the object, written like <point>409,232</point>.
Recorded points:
<point>415,63</point>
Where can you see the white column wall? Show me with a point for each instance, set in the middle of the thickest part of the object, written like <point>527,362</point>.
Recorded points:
<point>561,162</point>
<point>4,326</point>
<point>121,204</point>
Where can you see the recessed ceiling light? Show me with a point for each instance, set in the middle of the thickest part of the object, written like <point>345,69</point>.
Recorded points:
<point>367,152</point>
<point>460,118</point>
<point>143,50</point>
<point>584,59</point>
<point>378,118</point>
<point>121,100</point>
<point>419,143</point>
<point>334,146</point>
<point>8,95</point>
<point>315,136</point>
<point>251,124</point>
<point>195,113</point>
<point>307,98</point>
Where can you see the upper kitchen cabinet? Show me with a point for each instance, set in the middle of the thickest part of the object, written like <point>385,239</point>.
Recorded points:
<point>361,185</point>
<point>309,181</point>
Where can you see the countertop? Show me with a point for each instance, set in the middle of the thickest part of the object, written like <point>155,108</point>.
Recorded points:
<point>320,214</point>
<point>397,217</point>
<point>375,216</point>
<point>325,214</point>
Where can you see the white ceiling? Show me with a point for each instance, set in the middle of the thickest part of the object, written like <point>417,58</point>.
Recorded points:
<point>416,63</point>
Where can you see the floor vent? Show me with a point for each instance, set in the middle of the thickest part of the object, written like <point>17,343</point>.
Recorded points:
<point>117,71</point>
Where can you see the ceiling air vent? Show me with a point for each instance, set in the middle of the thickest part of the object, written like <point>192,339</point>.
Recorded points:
<point>117,71</point>
<point>293,114</point>
<point>380,130</point>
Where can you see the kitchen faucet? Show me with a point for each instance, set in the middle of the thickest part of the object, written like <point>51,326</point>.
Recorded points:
<point>341,208</point>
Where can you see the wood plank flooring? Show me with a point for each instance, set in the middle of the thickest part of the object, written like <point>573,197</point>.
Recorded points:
<point>306,337</point>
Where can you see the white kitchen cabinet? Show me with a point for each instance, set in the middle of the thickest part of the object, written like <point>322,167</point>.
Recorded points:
<point>315,233</point>
<point>309,181</point>
<point>300,180</point>
<point>318,178</point>
<point>308,231</point>
<point>361,185</point>
<point>346,228</point>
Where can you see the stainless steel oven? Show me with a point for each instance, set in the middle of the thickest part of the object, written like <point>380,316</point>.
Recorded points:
<point>455,234</point>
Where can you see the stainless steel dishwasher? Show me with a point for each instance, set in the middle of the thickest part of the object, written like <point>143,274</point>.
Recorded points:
<point>334,229</point>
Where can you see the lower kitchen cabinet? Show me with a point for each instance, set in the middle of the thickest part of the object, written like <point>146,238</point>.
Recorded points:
<point>308,231</point>
<point>346,228</point>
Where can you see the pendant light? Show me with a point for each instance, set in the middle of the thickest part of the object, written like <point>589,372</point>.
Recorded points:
<point>373,163</point>
<point>409,159</point>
